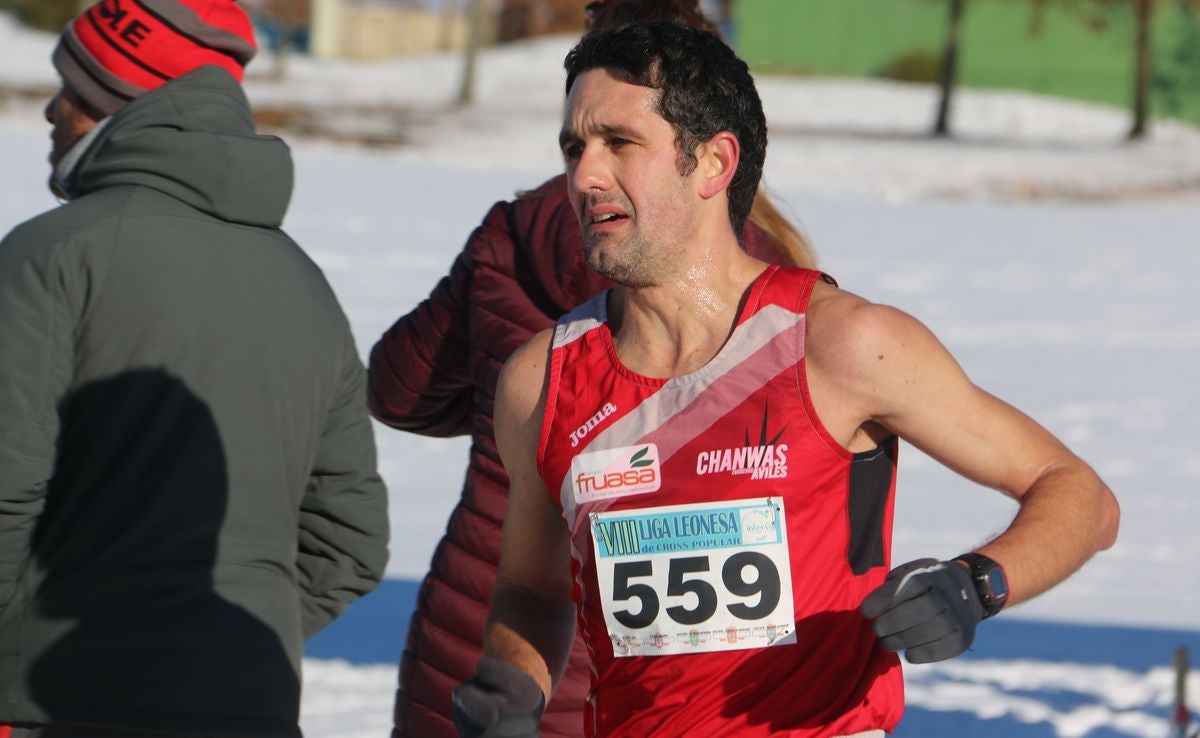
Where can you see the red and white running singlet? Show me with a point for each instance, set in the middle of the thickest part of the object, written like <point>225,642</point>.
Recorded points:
<point>722,540</point>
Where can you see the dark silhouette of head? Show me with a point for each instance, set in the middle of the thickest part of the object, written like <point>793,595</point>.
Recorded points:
<point>127,546</point>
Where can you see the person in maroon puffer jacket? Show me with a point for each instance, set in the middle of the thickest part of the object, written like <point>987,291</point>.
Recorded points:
<point>434,373</point>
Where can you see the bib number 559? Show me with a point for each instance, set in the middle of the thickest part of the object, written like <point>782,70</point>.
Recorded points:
<point>747,574</point>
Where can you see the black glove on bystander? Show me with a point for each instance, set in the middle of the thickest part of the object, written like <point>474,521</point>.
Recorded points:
<point>500,701</point>
<point>928,607</point>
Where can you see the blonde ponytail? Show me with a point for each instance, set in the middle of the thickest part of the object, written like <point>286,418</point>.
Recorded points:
<point>791,244</point>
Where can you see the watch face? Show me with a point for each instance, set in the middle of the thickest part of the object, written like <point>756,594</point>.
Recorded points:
<point>997,584</point>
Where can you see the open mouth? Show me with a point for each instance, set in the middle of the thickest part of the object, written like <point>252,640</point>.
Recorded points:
<point>604,221</point>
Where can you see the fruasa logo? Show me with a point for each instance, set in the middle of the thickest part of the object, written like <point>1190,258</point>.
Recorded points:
<point>616,472</point>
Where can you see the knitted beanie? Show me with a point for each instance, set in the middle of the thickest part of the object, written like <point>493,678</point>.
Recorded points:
<point>119,49</point>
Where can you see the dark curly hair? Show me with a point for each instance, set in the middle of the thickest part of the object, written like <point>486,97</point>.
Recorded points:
<point>704,89</point>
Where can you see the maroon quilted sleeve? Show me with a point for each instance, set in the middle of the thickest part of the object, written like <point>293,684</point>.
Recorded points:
<point>420,373</point>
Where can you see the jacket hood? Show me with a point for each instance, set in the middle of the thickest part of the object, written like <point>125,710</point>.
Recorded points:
<point>193,139</point>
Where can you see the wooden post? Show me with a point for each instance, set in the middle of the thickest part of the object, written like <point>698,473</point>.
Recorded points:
<point>449,16</point>
<point>324,33</point>
<point>1182,715</point>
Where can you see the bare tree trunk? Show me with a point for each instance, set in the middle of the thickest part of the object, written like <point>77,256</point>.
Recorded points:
<point>284,14</point>
<point>475,22</point>
<point>1143,15</point>
<point>949,72</point>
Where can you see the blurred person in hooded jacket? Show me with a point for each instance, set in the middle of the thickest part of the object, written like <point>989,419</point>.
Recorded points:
<point>188,484</point>
<point>434,372</point>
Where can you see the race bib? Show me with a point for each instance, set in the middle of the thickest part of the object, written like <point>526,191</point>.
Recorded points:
<point>692,578</point>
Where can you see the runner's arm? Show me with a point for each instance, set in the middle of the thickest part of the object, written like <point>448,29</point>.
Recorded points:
<point>531,622</point>
<point>894,372</point>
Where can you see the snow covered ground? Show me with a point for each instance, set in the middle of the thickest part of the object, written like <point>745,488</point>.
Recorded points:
<point>1054,260</point>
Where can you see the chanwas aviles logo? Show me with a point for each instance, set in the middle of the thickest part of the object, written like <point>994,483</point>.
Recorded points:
<point>616,472</point>
<point>764,459</point>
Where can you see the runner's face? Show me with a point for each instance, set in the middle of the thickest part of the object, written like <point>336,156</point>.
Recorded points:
<point>623,180</point>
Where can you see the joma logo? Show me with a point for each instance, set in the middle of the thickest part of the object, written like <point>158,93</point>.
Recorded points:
<point>581,432</point>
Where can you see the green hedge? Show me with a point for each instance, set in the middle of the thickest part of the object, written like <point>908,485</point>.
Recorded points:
<point>1065,56</point>
<point>48,15</point>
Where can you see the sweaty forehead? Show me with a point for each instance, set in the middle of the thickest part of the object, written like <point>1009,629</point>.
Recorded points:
<point>598,102</point>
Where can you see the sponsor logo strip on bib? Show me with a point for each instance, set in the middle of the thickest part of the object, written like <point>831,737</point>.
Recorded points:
<point>694,578</point>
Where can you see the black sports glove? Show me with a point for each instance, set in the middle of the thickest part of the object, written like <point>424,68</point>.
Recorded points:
<point>928,607</point>
<point>500,701</point>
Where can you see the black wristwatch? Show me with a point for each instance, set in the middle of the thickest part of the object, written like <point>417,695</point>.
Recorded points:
<point>990,582</point>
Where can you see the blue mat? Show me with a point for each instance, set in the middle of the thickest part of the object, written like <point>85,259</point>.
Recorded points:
<point>372,631</point>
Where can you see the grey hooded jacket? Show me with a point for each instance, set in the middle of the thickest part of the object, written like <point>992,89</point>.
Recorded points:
<point>188,485</point>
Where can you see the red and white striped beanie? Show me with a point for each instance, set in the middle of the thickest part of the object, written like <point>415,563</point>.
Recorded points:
<point>120,49</point>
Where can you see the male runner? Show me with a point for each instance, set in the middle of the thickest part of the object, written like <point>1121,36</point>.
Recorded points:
<point>720,438</point>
